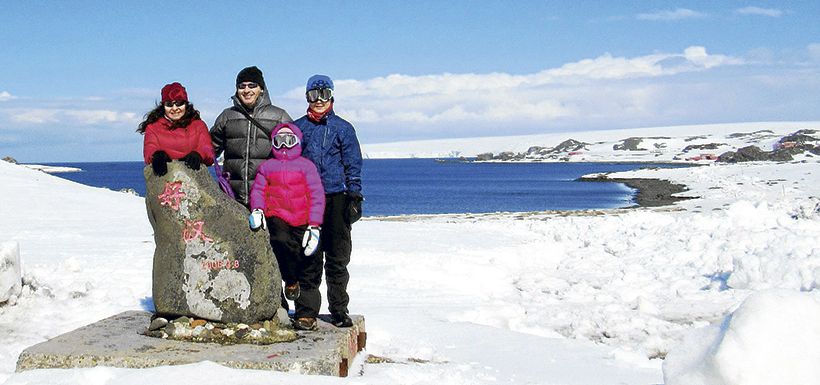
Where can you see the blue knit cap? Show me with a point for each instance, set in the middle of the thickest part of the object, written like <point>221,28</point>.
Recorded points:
<point>319,81</point>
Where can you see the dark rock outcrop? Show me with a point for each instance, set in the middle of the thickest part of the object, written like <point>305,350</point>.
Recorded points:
<point>753,154</point>
<point>207,263</point>
<point>708,146</point>
<point>629,144</point>
<point>10,159</point>
<point>484,156</point>
<point>569,145</point>
<point>755,133</point>
<point>798,143</point>
<point>649,192</point>
<point>506,155</point>
<point>800,137</point>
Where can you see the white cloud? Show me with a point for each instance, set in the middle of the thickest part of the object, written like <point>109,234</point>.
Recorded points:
<point>68,116</point>
<point>666,15</point>
<point>564,92</point>
<point>100,116</point>
<point>33,115</point>
<point>687,87</point>
<point>5,95</point>
<point>434,89</point>
<point>771,12</point>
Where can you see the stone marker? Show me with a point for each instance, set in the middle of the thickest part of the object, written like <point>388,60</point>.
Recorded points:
<point>207,263</point>
<point>116,341</point>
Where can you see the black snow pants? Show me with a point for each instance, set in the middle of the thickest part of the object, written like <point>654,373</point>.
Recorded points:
<point>286,242</point>
<point>335,247</point>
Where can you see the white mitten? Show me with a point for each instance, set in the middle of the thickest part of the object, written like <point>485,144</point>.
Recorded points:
<point>310,241</point>
<point>257,220</point>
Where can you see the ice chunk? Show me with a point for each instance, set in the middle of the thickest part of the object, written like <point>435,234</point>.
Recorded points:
<point>11,279</point>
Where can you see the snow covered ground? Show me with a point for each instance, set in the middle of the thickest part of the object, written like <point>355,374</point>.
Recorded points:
<point>519,298</point>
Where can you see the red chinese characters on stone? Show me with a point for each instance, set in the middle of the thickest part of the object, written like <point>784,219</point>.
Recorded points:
<point>172,195</point>
<point>193,230</point>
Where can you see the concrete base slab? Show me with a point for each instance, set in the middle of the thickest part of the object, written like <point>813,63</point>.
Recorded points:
<point>116,342</point>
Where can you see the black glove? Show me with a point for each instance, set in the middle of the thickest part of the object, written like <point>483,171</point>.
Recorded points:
<point>193,160</point>
<point>353,211</point>
<point>159,162</point>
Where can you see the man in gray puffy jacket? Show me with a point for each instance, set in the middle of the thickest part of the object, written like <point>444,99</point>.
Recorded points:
<point>243,131</point>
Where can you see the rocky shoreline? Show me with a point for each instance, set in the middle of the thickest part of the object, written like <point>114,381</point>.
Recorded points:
<point>651,192</point>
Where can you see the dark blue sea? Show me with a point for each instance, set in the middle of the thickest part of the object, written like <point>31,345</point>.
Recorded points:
<point>427,186</point>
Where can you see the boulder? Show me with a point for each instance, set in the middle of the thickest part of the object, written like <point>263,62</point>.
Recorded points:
<point>207,263</point>
<point>11,280</point>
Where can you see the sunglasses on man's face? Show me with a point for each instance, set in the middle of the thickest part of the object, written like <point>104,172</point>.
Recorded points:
<point>174,103</point>
<point>316,94</point>
<point>242,86</point>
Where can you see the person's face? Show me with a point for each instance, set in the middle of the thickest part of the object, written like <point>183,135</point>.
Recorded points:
<point>248,93</point>
<point>175,109</point>
<point>320,105</point>
<point>322,102</point>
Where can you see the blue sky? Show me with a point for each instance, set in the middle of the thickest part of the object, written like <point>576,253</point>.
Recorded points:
<point>77,77</point>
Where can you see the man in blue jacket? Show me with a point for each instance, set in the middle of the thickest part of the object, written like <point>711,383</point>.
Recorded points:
<point>330,142</point>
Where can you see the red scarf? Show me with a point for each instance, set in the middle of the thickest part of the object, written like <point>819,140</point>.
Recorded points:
<point>317,117</point>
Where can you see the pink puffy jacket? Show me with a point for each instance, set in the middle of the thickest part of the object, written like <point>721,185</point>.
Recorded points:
<point>288,186</point>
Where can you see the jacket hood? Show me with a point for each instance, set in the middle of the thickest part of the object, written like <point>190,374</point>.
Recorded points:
<point>285,153</point>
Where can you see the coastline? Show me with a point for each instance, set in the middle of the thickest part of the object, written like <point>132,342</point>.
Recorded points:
<point>650,192</point>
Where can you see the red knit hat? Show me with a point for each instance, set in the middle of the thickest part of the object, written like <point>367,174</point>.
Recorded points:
<point>174,91</point>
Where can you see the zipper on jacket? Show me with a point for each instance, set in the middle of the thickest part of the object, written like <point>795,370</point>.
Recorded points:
<point>324,145</point>
<point>247,160</point>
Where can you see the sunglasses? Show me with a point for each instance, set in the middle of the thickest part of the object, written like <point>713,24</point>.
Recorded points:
<point>174,103</point>
<point>285,140</point>
<point>316,94</point>
<point>242,86</point>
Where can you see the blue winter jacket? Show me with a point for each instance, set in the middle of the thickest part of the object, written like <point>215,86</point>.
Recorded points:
<point>333,147</point>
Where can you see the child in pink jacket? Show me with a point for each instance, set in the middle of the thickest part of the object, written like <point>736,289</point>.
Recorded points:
<point>288,193</point>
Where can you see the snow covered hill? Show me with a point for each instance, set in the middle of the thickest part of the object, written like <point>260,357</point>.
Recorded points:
<point>598,297</point>
<point>658,144</point>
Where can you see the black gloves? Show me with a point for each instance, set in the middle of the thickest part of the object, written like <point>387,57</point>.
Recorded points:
<point>353,211</point>
<point>193,160</point>
<point>160,159</point>
<point>159,162</point>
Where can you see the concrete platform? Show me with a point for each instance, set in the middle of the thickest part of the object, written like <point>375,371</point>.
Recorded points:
<point>116,342</point>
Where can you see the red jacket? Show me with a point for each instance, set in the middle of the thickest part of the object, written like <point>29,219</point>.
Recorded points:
<point>178,142</point>
<point>288,186</point>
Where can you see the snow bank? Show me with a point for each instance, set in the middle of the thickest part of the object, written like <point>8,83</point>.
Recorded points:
<point>772,338</point>
<point>10,272</point>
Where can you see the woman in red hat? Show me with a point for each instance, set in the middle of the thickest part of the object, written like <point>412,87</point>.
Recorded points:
<point>174,131</point>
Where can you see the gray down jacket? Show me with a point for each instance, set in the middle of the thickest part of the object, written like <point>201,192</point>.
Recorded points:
<point>245,145</point>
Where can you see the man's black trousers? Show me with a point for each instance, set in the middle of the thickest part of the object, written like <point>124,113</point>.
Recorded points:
<point>335,248</point>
